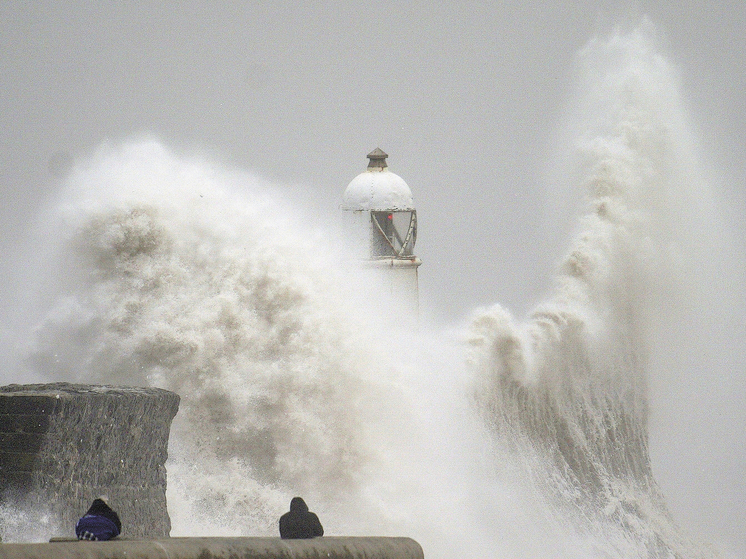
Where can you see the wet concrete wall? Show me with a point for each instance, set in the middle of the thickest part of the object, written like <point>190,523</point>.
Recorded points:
<point>221,548</point>
<point>63,445</point>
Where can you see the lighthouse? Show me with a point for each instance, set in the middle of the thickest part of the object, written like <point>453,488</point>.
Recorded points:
<point>384,227</point>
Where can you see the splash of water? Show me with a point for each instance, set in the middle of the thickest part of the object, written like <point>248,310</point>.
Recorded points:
<point>176,273</point>
<point>178,278</point>
<point>566,392</point>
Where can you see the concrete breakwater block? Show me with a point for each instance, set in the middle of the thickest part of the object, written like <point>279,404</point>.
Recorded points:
<point>221,548</point>
<point>63,445</point>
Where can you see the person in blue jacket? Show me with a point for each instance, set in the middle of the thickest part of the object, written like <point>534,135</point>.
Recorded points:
<point>299,522</point>
<point>100,523</point>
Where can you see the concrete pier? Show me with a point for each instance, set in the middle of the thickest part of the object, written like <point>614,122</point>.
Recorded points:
<point>63,445</point>
<point>220,548</point>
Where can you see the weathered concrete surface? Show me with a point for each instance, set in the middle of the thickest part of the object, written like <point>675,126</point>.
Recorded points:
<point>220,548</point>
<point>62,445</point>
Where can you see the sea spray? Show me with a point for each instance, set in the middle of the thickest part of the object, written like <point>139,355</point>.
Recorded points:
<point>182,276</point>
<point>566,391</point>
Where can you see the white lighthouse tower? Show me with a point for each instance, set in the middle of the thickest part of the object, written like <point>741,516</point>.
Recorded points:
<point>384,223</point>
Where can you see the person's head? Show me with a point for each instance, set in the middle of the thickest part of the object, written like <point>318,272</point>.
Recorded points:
<point>297,504</point>
<point>98,506</point>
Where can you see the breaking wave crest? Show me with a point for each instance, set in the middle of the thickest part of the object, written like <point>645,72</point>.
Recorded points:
<point>194,279</point>
<point>565,392</point>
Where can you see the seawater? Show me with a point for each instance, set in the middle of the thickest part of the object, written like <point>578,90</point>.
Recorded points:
<point>506,437</point>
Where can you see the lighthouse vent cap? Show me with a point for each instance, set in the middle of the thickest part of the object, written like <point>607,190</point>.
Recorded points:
<point>377,159</point>
<point>377,189</point>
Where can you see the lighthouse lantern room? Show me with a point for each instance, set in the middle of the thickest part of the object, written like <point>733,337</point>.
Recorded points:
<point>384,219</point>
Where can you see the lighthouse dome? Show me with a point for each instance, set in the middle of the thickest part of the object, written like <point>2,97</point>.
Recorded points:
<point>377,189</point>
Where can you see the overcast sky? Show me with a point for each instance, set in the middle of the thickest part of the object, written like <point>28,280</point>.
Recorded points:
<point>466,98</point>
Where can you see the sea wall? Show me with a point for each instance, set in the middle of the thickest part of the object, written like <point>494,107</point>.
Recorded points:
<point>63,445</point>
<point>221,548</point>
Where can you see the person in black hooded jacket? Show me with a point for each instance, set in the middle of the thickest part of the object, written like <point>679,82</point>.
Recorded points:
<point>299,523</point>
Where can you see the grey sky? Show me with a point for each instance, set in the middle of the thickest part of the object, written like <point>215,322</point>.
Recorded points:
<point>467,99</point>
